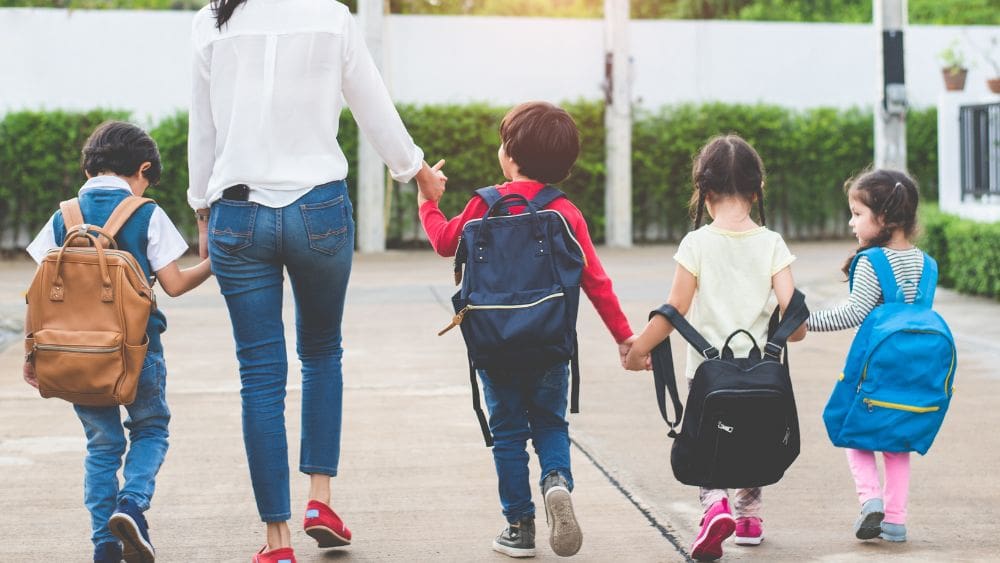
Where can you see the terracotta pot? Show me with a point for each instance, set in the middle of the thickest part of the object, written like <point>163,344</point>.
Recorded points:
<point>994,84</point>
<point>954,79</point>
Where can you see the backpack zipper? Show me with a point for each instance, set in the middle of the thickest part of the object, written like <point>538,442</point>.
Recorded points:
<point>78,349</point>
<point>460,316</point>
<point>871,403</point>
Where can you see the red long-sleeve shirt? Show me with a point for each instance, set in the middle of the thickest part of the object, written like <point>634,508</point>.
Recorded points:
<point>444,234</point>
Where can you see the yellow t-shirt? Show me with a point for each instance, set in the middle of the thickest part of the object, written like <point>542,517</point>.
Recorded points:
<point>734,271</point>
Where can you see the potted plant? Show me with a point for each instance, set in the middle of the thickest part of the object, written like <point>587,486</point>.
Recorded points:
<point>954,67</point>
<point>992,56</point>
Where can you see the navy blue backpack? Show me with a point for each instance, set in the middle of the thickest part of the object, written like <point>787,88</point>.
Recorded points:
<point>520,290</point>
<point>900,372</point>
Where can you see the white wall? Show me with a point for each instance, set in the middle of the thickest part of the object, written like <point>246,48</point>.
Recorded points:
<point>950,198</point>
<point>139,60</point>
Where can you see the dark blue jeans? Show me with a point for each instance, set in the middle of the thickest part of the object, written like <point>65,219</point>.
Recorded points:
<point>148,417</point>
<point>522,406</point>
<point>251,246</point>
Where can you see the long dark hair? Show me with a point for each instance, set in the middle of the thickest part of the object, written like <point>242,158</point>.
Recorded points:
<point>893,197</point>
<point>727,165</point>
<point>223,10</point>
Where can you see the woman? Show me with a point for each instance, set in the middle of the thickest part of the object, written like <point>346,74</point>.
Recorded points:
<point>267,185</point>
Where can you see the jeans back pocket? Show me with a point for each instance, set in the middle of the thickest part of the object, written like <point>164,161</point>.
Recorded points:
<point>231,224</point>
<point>327,224</point>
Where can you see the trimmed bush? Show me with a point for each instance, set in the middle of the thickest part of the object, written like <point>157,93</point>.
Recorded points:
<point>808,155</point>
<point>967,252</point>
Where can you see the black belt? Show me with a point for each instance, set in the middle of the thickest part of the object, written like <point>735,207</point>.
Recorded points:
<point>239,192</point>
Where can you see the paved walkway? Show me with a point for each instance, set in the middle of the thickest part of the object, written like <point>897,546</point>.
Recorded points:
<point>417,484</point>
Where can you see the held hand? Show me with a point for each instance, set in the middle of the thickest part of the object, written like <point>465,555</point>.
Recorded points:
<point>29,374</point>
<point>624,347</point>
<point>636,362</point>
<point>431,182</point>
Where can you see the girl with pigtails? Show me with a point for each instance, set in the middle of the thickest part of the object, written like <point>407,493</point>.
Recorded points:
<point>731,273</point>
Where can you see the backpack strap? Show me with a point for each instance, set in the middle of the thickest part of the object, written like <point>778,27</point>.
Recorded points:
<point>545,196</point>
<point>490,195</point>
<point>478,407</point>
<point>685,329</point>
<point>664,381</point>
<point>795,314</point>
<point>71,213</point>
<point>574,364</point>
<point>928,282</point>
<point>883,270</point>
<point>122,213</point>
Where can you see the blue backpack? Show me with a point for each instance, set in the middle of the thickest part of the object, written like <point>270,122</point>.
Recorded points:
<point>520,290</point>
<point>899,376</point>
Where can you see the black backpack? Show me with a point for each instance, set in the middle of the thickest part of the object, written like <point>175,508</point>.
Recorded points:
<point>740,427</point>
<point>520,290</point>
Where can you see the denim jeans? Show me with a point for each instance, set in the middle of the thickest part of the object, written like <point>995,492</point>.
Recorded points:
<point>521,406</point>
<point>148,417</point>
<point>251,246</point>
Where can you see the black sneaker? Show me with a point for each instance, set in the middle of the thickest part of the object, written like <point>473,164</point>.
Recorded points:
<point>565,536</point>
<point>129,525</point>
<point>517,539</point>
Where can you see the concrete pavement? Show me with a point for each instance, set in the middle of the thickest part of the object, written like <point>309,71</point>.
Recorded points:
<point>416,482</point>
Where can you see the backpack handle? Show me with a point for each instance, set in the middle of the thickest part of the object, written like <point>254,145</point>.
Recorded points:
<point>727,352</point>
<point>482,235</point>
<point>107,294</point>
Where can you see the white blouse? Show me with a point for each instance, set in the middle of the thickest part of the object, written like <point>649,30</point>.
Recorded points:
<point>267,96</point>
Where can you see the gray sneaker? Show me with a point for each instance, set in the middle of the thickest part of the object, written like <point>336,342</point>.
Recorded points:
<point>893,532</point>
<point>868,526</point>
<point>565,536</point>
<point>517,539</point>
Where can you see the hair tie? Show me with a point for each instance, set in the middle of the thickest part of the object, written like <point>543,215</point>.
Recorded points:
<point>898,186</point>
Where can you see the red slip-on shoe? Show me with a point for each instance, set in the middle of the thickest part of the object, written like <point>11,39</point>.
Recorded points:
<point>324,526</point>
<point>280,555</point>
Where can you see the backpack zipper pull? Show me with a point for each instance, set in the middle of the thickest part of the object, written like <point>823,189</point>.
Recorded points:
<point>455,321</point>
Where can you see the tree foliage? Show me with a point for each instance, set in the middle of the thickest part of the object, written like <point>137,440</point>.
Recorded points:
<point>944,12</point>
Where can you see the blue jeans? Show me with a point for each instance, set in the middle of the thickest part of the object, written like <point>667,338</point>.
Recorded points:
<point>147,421</point>
<point>522,406</point>
<point>251,246</point>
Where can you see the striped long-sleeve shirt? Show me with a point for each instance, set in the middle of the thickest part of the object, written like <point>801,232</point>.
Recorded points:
<point>866,294</point>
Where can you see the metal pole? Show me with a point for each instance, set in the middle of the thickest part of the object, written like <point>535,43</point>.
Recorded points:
<point>371,171</point>
<point>618,125</point>
<point>890,17</point>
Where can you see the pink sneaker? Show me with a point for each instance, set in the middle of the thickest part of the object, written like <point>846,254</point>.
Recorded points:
<point>716,525</point>
<point>749,531</point>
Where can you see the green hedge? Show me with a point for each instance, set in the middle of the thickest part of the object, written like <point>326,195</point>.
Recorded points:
<point>808,154</point>
<point>967,252</point>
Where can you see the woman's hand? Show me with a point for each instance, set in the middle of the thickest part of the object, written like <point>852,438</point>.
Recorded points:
<point>201,216</point>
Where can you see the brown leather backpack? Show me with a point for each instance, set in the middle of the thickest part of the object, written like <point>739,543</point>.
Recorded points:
<point>88,306</point>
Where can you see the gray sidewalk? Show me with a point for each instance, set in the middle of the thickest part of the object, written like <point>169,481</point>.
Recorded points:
<point>417,483</point>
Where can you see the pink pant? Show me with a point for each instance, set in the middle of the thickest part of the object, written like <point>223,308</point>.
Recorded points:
<point>897,481</point>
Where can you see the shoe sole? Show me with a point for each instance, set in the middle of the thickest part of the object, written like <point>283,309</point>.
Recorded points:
<point>709,546</point>
<point>748,541</point>
<point>870,527</point>
<point>513,551</point>
<point>136,548</point>
<point>565,535</point>
<point>326,537</point>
